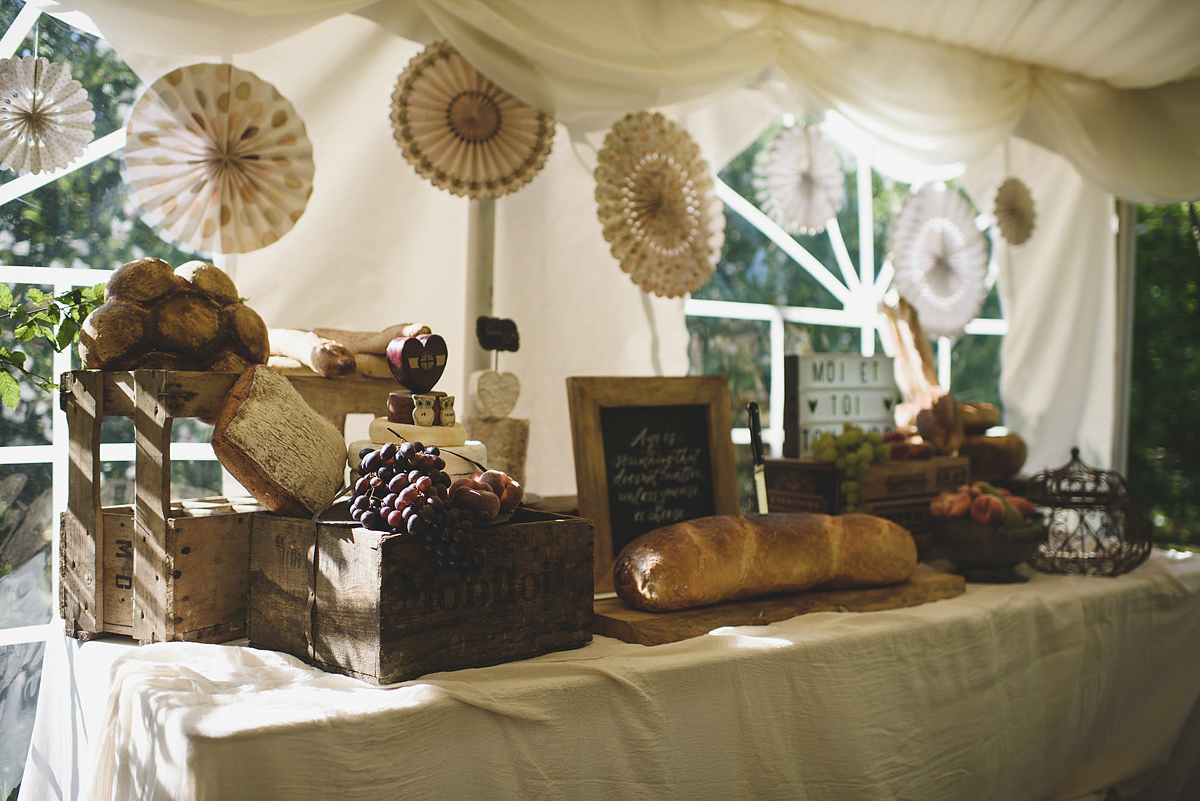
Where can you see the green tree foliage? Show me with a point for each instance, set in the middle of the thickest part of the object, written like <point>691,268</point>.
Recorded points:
<point>1164,420</point>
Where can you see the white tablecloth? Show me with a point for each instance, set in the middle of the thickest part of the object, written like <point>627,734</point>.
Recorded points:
<point>1054,689</point>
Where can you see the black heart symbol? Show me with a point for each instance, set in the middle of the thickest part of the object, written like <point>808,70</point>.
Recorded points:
<point>812,405</point>
<point>887,404</point>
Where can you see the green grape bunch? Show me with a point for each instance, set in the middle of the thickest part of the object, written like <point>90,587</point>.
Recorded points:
<point>852,452</point>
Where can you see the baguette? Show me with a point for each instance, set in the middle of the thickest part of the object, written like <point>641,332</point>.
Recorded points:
<point>730,557</point>
<point>372,341</point>
<point>322,355</point>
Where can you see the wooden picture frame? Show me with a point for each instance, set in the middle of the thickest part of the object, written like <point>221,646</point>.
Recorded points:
<point>649,451</point>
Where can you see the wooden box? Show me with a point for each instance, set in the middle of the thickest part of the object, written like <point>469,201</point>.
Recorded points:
<point>202,584</point>
<point>382,612</point>
<point>155,571</point>
<point>898,490</point>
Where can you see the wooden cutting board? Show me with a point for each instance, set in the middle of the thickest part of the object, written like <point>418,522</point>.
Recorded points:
<point>612,618</point>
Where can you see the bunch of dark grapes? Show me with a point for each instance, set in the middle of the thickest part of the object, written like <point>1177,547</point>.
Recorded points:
<point>403,490</point>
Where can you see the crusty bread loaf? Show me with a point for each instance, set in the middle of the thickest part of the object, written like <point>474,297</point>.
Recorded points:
<point>728,557</point>
<point>286,455</point>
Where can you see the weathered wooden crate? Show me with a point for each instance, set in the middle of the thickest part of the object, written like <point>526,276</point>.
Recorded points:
<point>153,571</point>
<point>899,490</point>
<point>382,612</point>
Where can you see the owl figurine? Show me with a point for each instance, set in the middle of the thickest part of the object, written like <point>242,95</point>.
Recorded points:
<point>445,411</point>
<point>422,413</point>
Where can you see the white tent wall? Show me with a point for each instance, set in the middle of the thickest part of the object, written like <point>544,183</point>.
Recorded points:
<point>1059,294</point>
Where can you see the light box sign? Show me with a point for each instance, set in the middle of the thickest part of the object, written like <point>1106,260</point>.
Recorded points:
<point>838,388</point>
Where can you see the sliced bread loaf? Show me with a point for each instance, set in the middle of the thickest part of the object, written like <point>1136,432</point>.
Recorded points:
<point>290,458</point>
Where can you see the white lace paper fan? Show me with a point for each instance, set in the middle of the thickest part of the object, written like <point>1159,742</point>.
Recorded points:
<point>656,202</point>
<point>46,119</point>
<point>1014,211</point>
<point>461,131</point>
<point>799,180</point>
<point>940,259</point>
<point>218,159</point>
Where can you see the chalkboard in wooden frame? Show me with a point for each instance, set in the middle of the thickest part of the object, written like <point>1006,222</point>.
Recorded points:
<point>649,451</point>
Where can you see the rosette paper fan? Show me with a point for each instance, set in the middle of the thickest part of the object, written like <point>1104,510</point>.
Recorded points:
<point>1014,211</point>
<point>940,259</point>
<point>218,159</point>
<point>46,119</point>
<point>799,180</point>
<point>461,131</point>
<point>655,198</point>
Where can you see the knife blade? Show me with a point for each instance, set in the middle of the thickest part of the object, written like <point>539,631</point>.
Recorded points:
<point>756,452</point>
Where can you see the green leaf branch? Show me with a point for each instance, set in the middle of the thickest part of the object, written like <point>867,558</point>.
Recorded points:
<point>54,319</point>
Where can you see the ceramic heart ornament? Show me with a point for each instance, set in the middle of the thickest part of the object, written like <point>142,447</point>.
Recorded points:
<point>495,393</point>
<point>417,362</point>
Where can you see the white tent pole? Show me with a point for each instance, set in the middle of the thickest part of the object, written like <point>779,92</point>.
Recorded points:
<point>481,242</point>
<point>1126,274</point>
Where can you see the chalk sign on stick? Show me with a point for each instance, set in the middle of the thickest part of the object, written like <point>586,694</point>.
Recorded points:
<point>833,389</point>
<point>649,452</point>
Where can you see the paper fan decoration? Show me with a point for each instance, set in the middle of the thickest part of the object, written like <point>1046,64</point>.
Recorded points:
<point>1014,211</point>
<point>218,159</point>
<point>656,202</point>
<point>799,180</point>
<point>46,119</point>
<point>940,259</point>
<point>463,133</point>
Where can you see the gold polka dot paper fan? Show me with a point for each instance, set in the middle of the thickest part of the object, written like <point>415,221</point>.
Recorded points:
<point>461,131</point>
<point>657,204</point>
<point>940,259</point>
<point>218,159</point>
<point>46,119</point>
<point>799,180</point>
<point>1014,211</point>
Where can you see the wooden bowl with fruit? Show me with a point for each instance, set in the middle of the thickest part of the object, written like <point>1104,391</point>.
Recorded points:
<point>986,531</point>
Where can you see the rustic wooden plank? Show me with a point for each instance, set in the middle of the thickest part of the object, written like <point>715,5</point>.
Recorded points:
<point>77,577</point>
<point>152,593</point>
<point>349,595</point>
<point>279,569</point>
<point>211,556</point>
<point>614,619</point>
<point>82,399</point>
<point>119,537</point>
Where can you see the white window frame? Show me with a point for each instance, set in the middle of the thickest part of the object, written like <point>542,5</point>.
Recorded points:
<point>859,290</point>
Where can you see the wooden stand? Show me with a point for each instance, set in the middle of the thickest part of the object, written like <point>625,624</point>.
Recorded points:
<point>134,560</point>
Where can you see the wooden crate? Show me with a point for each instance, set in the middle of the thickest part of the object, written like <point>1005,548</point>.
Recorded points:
<point>899,490</point>
<point>124,570</point>
<point>383,613</point>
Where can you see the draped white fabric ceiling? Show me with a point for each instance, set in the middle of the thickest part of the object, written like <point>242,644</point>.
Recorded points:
<point>1111,88</point>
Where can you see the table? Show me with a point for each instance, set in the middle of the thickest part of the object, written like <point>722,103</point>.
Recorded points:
<point>1059,688</point>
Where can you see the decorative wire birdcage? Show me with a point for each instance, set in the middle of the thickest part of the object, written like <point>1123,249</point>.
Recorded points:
<point>1093,526</point>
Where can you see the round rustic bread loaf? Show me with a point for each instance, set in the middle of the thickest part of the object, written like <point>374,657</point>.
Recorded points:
<point>190,318</point>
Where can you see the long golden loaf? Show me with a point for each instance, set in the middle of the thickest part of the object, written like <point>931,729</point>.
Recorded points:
<point>729,557</point>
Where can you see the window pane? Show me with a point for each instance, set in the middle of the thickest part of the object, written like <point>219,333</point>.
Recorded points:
<point>26,533</point>
<point>739,349</point>
<point>20,673</point>
<point>975,368</point>
<point>29,423</point>
<point>803,339</point>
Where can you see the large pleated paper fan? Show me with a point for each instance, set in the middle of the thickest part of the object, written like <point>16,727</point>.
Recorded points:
<point>799,180</point>
<point>656,201</point>
<point>940,259</point>
<point>462,132</point>
<point>46,119</point>
<point>218,159</point>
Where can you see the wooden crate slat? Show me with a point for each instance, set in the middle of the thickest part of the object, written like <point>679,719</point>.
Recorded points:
<point>152,506</point>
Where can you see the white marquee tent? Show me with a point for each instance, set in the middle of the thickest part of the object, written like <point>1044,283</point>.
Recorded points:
<point>1084,100</point>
